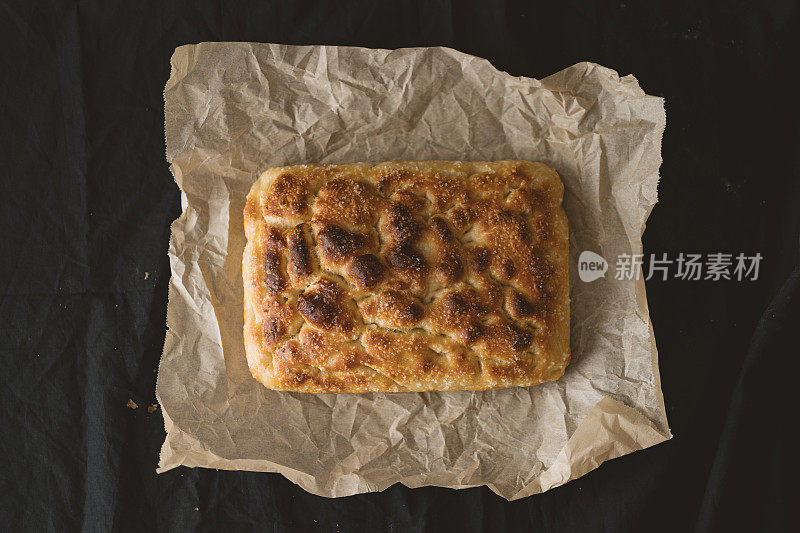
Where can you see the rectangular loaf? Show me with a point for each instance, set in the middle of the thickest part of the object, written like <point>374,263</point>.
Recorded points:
<point>406,276</point>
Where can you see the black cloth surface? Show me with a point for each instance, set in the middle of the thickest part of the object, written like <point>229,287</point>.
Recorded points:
<point>87,200</point>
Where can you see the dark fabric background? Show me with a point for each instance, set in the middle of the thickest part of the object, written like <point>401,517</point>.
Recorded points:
<point>87,199</point>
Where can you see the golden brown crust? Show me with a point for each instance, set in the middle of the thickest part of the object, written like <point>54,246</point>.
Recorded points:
<point>406,276</point>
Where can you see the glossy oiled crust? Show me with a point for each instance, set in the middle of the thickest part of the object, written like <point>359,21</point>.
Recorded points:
<point>406,276</point>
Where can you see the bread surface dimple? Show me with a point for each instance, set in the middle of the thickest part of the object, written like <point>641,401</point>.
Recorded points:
<point>300,262</point>
<point>365,271</point>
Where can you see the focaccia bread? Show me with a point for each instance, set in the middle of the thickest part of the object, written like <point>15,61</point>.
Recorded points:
<point>406,276</point>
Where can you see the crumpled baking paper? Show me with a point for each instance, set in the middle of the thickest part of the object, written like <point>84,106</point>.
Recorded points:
<point>234,109</point>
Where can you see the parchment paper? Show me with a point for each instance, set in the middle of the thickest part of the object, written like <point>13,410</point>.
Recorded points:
<point>233,109</point>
